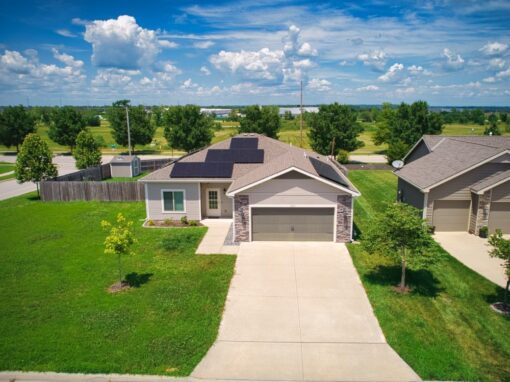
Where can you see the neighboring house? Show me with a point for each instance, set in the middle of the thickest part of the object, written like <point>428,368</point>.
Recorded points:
<point>125,166</point>
<point>461,183</point>
<point>271,190</point>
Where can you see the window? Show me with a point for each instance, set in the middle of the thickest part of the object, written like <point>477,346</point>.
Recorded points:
<point>173,201</point>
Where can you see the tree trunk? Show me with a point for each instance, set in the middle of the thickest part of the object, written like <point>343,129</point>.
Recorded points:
<point>38,193</point>
<point>120,269</point>
<point>403,276</point>
<point>505,299</point>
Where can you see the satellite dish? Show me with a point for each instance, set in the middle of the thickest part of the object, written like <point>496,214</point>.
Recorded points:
<point>397,164</point>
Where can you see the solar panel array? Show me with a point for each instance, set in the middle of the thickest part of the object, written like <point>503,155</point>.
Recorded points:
<point>202,170</point>
<point>235,155</point>
<point>326,171</point>
<point>244,143</point>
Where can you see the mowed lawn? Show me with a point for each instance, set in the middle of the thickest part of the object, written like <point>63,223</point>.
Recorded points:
<point>445,329</point>
<point>56,313</point>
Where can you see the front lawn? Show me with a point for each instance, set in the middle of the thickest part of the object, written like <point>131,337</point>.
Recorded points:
<point>56,313</point>
<point>445,329</point>
<point>6,167</point>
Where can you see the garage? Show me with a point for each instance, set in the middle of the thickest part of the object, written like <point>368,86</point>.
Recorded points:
<point>499,217</point>
<point>292,224</point>
<point>451,215</point>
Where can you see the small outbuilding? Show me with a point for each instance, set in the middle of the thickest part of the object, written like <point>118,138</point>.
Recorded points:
<point>125,166</point>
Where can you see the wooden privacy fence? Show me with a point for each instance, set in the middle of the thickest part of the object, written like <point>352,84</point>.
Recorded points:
<point>91,173</point>
<point>155,164</point>
<point>103,191</point>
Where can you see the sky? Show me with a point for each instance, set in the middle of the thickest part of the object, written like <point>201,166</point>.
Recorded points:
<point>446,52</point>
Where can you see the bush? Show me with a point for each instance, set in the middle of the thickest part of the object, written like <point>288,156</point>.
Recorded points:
<point>184,220</point>
<point>343,156</point>
<point>484,231</point>
<point>432,229</point>
<point>193,223</point>
<point>150,223</point>
<point>168,221</point>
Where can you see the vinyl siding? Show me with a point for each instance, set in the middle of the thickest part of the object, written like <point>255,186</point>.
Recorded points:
<point>121,170</point>
<point>410,194</point>
<point>501,193</point>
<point>418,152</point>
<point>226,202</point>
<point>155,204</point>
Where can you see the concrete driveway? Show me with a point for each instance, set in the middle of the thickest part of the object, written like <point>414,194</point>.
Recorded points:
<point>298,312</point>
<point>473,251</point>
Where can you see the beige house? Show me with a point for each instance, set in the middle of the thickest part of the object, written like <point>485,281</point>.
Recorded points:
<point>461,183</point>
<point>271,191</point>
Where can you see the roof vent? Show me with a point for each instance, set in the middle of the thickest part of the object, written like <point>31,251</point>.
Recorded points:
<point>304,154</point>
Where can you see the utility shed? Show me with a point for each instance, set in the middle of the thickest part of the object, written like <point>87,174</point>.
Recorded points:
<point>125,166</point>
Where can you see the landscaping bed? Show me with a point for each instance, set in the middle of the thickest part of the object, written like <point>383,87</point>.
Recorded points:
<point>56,313</point>
<point>169,223</point>
<point>445,328</point>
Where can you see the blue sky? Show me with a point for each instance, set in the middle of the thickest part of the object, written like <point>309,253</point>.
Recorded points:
<point>254,51</point>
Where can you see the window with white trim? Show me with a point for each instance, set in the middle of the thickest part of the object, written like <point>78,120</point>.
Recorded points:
<point>173,201</point>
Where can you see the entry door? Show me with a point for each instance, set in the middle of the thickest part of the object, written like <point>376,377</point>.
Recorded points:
<point>213,208</point>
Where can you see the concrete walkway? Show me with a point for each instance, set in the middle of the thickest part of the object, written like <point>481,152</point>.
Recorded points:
<point>216,239</point>
<point>473,251</point>
<point>298,312</point>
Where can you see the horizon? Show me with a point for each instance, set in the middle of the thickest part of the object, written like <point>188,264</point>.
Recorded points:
<point>447,53</point>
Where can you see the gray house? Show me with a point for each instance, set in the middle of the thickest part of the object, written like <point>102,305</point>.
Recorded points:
<point>461,183</point>
<point>271,190</point>
<point>125,166</point>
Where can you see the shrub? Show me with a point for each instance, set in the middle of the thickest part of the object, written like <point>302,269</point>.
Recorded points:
<point>484,231</point>
<point>193,223</point>
<point>168,221</point>
<point>343,156</point>
<point>432,229</point>
<point>184,220</point>
<point>150,222</point>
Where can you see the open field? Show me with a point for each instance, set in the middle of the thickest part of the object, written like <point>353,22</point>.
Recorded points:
<point>56,313</point>
<point>445,328</point>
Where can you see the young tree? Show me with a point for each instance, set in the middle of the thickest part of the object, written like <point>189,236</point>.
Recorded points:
<point>15,124</point>
<point>288,115</point>
<point>66,124</point>
<point>119,240</point>
<point>403,235</point>
<point>333,128</point>
<point>501,250</point>
<point>186,128</point>
<point>492,129</point>
<point>262,120</point>
<point>87,152</point>
<point>140,126</point>
<point>33,163</point>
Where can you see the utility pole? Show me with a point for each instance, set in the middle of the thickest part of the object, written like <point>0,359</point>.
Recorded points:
<point>333,148</point>
<point>128,131</point>
<point>301,118</point>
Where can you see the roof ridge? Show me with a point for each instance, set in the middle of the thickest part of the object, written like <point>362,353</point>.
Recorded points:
<point>455,138</point>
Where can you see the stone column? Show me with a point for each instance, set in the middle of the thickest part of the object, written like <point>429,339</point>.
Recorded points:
<point>482,212</point>
<point>242,218</point>
<point>343,218</point>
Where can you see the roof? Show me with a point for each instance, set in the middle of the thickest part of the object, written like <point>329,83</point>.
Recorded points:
<point>451,155</point>
<point>278,157</point>
<point>123,159</point>
<point>492,181</point>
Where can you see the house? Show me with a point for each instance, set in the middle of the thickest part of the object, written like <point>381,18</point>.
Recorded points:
<point>125,166</point>
<point>461,183</point>
<point>271,190</point>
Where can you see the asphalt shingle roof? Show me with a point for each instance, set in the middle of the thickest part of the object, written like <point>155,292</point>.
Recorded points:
<point>491,180</point>
<point>450,155</point>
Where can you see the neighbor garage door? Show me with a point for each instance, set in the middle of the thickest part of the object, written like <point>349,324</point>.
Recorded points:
<point>451,215</point>
<point>292,224</point>
<point>499,217</point>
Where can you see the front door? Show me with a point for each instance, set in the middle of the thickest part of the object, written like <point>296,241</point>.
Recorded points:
<point>213,207</point>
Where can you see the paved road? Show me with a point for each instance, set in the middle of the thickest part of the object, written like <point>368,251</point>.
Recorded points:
<point>296,312</point>
<point>375,158</point>
<point>65,165</point>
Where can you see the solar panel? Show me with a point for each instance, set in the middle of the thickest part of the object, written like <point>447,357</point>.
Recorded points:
<point>244,143</point>
<point>202,170</point>
<point>326,171</point>
<point>235,155</point>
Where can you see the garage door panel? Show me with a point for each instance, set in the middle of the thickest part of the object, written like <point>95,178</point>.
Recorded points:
<point>292,224</point>
<point>499,217</point>
<point>451,215</point>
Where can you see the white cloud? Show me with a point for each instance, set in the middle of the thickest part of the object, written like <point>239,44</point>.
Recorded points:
<point>489,80</point>
<point>497,63</point>
<point>375,59</point>
<point>394,73</point>
<point>121,43</point>
<point>67,59</point>
<point>78,21</point>
<point>167,44</point>
<point>417,70</point>
<point>504,73</point>
<point>405,91</point>
<point>188,84</point>
<point>493,48</point>
<point>368,88</point>
<point>453,61</point>
<point>307,50</point>
<point>203,44</point>
<point>205,71</point>
<point>65,33</point>
<point>320,85</point>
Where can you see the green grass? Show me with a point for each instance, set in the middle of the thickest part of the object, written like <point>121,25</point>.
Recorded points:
<point>7,177</point>
<point>127,179</point>
<point>56,313</point>
<point>445,329</point>
<point>6,167</point>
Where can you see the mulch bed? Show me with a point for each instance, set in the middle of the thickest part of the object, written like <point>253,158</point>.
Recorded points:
<point>501,308</point>
<point>168,224</point>
<point>119,287</point>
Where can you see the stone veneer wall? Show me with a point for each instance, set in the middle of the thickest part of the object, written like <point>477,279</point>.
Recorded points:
<point>242,218</point>
<point>482,215</point>
<point>343,218</point>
